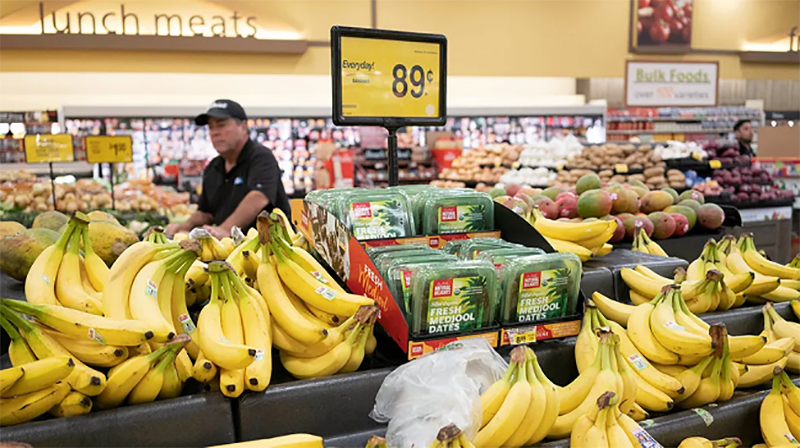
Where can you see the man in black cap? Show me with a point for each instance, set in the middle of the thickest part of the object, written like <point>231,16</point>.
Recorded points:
<point>238,184</point>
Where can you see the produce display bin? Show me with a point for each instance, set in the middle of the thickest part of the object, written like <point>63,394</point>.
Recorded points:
<point>328,407</point>
<point>194,420</point>
<point>597,279</point>
<point>619,259</point>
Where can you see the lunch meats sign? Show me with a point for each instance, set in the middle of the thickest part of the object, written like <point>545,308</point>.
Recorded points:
<point>665,84</point>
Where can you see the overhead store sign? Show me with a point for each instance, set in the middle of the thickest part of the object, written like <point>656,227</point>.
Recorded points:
<point>48,148</point>
<point>664,84</point>
<point>109,149</point>
<point>388,78</point>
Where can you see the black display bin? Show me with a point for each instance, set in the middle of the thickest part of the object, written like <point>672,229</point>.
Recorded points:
<point>597,279</point>
<point>194,420</point>
<point>328,407</point>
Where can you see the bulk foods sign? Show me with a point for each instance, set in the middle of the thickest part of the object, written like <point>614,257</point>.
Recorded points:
<point>681,84</point>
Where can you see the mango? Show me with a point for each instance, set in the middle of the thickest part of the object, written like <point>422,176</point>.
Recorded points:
<point>691,203</point>
<point>655,201</point>
<point>710,216</point>
<point>8,228</point>
<point>594,204</point>
<point>684,210</point>
<point>553,192</point>
<point>673,193</point>
<point>693,194</point>
<point>663,225</point>
<point>587,182</point>
<point>110,239</point>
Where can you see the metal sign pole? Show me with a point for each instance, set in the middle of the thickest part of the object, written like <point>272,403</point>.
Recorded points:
<point>393,164</point>
<point>53,185</point>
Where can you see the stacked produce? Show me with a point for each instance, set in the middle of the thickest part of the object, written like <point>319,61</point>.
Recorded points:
<point>448,437</point>
<point>723,277</point>
<point>36,194</point>
<point>680,150</point>
<point>485,164</point>
<point>585,239</point>
<point>780,412</point>
<point>529,176</point>
<point>605,425</point>
<point>288,441</point>
<point>551,154</point>
<point>521,408</point>
<point>643,244</point>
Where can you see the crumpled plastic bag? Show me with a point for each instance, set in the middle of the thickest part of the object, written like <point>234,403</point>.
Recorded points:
<point>435,390</point>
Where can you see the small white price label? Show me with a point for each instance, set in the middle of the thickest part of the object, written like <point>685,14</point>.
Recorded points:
<point>96,336</point>
<point>326,292</point>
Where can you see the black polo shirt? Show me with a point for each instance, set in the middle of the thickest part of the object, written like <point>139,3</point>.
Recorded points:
<point>255,169</point>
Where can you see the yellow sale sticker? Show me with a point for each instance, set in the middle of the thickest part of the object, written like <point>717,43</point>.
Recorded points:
<point>390,78</point>
<point>109,149</point>
<point>46,148</point>
<point>715,164</point>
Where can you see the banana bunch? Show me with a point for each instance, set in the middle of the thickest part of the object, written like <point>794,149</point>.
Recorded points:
<point>745,256</point>
<point>520,408</point>
<point>605,426</point>
<point>643,244</point>
<point>28,391</point>
<point>290,441</point>
<point>651,389</point>
<point>700,442</point>
<point>235,336</point>
<point>584,239</point>
<point>145,377</point>
<point>156,235</point>
<point>795,263</point>
<point>380,442</point>
<point>780,412</point>
<point>707,284</point>
<point>212,248</point>
<point>61,276</point>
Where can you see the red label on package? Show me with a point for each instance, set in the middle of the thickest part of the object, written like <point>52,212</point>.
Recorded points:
<point>542,332</point>
<point>362,209</point>
<point>531,280</point>
<point>434,243</point>
<point>443,288</point>
<point>449,214</point>
<point>407,278</point>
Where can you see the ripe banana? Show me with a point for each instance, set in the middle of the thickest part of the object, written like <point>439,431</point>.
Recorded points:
<point>597,434</point>
<point>513,410</point>
<point>774,428</point>
<point>708,391</point>
<point>216,347</point>
<point>39,375</point>
<point>29,406</point>
<point>700,442</point>
<point>652,247</point>
<point>286,315</point>
<point>357,352</point>
<point>762,265</point>
<point>586,344</point>
<point>69,286</point>
<point>257,334</point>
<point>231,381</point>
<point>743,346</point>
<point>96,268</point>
<point>791,392</point>
<point>568,231</point>
<point>83,379</point>
<point>690,378</point>
<point>535,413</point>
<point>8,377</point>
<point>312,291</point>
<point>757,375</point>
<point>85,326</point>
<point>123,378</point>
<point>674,337</point>
<point>781,294</point>
<point>493,397</point>
<point>616,311</point>
<point>630,380</point>
<point>770,353</point>
<point>75,403</point>
<point>551,407</point>
<point>642,336</point>
<point>569,247</point>
<point>310,264</point>
<point>149,387</point>
<point>572,395</point>
<point>290,441</point>
<point>204,370</point>
<point>41,279</point>
<point>323,365</point>
<point>645,286</point>
<point>19,352</point>
<point>144,302</point>
<point>784,328</point>
<point>116,293</point>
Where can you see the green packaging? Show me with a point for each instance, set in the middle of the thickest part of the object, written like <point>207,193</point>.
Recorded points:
<point>387,262</point>
<point>453,298</point>
<point>399,277</point>
<point>539,287</point>
<point>457,211</point>
<point>377,214</point>
<point>455,247</point>
<point>477,245</point>
<point>328,199</point>
<point>380,259</point>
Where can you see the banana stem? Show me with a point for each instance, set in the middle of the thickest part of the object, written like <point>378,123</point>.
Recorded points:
<point>226,287</point>
<point>22,324</point>
<point>12,332</point>
<point>214,299</point>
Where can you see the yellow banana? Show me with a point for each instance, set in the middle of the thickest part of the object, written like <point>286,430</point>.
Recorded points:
<point>123,378</point>
<point>791,392</point>
<point>757,375</point>
<point>281,308</point>
<point>493,397</point>
<point>75,403</point>
<point>674,337</point>
<point>762,265</point>
<point>630,381</point>
<point>784,328</point>
<point>39,375</point>
<point>8,377</point>
<point>770,353</point>
<point>535,413</point>
<point>792,419</point>
<point>149,387</point>
<point>617,436</point>
<point>586,344</point>
<point>172,385</point>
<point>307,262</point>
<point>85,326</point>
<point>691,378</point>
<point>708,391</point>
<point>96,268</point>
<point>597,435</point>
<point>216,347</point>
<point>551,398</point>
<point>197,274</point>
<point>638,299</point>
<point>290,441</point>
<point>323,365</point>
<point>513,410</point>
<point>599,240</point>
<point>19,352</point>
<point>257,334</point>
<point>357,351</point>
<point>743,346</point>
<point>652,247</point>
<point>569,247</point>
<point>145,304</point>
<point>204,370</point>
<point>568,231</point>
<point>574,394</point>
<point>640,333</point>
<point>647,272</point>
<point>781,294</point>
<point>616,311</point>
<point>29,406</point>
<point>41,279</point>
<point>645,286</point>
<point>116,293</point>
<point>774,428</point>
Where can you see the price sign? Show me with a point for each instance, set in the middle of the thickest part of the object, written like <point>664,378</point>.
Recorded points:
<point>715,164</point>
<point>47,148</point>
<point>388,78</point>
<point>621,168</point>
<point>697,156</point>
<point>109,149</point>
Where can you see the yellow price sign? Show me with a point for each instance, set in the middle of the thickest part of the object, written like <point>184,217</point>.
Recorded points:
<point>621,168</point>
<point>383,75</point>
<point>715,164</point>
<point>525,338</point>
<point>109,149</point>
<point>47,148</point>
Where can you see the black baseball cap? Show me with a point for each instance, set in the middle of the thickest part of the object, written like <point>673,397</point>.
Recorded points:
<point>221,109</point>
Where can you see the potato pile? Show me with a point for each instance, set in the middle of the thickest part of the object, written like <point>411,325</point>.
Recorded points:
<point>482,164</point>
<point>606,157</point>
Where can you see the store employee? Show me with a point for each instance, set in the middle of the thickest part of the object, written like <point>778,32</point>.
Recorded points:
<point>239,183</point>
<point>743,130</point>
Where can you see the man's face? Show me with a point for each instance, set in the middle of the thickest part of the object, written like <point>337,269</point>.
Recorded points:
<point>227,135</point>
<point>745,133</point>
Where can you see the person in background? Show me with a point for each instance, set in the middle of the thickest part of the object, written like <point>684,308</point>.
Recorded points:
<point>239,183</point>
<point>743,129</point>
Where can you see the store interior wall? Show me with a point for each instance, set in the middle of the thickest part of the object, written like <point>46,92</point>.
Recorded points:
<point>516,43</point>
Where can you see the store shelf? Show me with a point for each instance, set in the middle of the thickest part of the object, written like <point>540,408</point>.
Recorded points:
<point>613,119</point>
<point>59,169</point>
<point>699,131</point>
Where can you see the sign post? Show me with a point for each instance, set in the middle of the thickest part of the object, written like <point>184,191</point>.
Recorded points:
<point>49,148</point>
<point>391,79</point>
<point>109,149</point>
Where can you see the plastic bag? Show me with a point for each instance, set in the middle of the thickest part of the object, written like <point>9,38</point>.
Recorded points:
<point>435,390</point>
